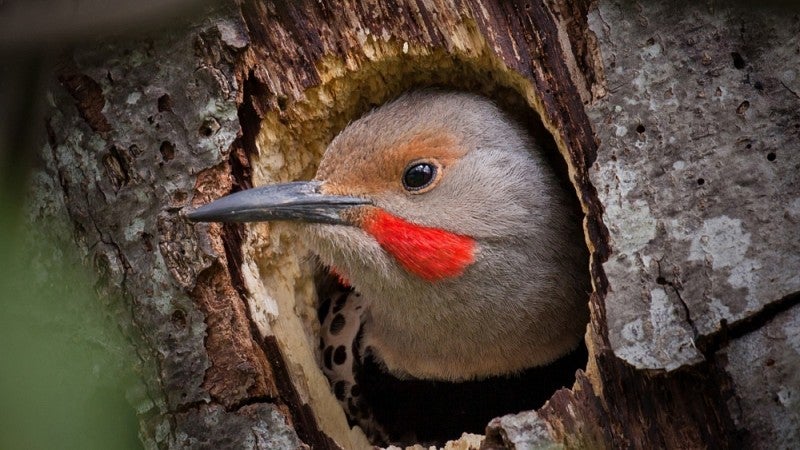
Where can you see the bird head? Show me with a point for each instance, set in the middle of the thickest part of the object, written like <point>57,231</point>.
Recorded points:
<point>440,209</point>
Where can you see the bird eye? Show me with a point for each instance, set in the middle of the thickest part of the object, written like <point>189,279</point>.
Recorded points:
<point>418,176</point>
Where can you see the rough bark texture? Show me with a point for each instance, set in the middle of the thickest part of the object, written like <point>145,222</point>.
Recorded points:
<point>140,130</point>
<point>698,174</point>
<point>700,237</point>
<point>698,276</point>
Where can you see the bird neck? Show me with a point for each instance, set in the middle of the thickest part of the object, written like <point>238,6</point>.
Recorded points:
<point>429,253</point>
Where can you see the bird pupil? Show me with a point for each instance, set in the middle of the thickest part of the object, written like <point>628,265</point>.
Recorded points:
<point>418,176</point>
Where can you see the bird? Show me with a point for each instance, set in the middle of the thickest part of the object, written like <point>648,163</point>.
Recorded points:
<point>458,252</point>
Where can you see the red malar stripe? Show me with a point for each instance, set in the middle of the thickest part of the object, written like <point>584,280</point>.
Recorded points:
<point>430,253</point>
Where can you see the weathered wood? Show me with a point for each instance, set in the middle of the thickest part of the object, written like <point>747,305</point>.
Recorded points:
<point>139,130</point>
<point>697,170</point>
<point>699,174</point>
<point>142,130</point>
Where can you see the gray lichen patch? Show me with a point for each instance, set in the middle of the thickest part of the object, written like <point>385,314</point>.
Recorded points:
<point>698,171</point>
<point>763,367</point>
<point>132,122</point>
<point>259,426</point>
<point>525,430</point>
<point>290,143</point>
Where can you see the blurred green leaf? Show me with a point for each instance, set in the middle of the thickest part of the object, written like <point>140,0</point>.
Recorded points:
<point>64,365</point>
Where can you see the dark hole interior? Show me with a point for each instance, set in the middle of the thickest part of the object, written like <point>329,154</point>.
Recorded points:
<point>433,412</point>
<point>738,61</point>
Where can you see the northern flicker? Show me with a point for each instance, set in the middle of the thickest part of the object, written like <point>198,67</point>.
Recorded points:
<point>465,257</point>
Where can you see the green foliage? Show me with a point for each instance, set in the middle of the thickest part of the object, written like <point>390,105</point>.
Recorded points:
<point>65,367</point>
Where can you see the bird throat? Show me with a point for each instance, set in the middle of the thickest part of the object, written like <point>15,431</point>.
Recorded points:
<point>429,253</point>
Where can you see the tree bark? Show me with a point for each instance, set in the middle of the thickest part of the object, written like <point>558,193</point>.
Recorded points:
<point>679,129</point>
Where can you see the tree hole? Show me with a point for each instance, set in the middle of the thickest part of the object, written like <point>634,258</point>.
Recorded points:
<point>167,150</point>
<point>738,61</point>
<point>771,156</point>
<point>291,144</point>
<point>164,103</point>
<point>178,319</point>
<point>409,411</point>
<point>282,101</point>
<point>209,126</point>
<point>701,181</point>
<point>744,106</point>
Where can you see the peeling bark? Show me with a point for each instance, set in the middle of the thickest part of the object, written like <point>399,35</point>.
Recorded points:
<point>641,102</point>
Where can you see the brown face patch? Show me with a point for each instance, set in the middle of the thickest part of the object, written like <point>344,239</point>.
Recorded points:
<point>362,168</point>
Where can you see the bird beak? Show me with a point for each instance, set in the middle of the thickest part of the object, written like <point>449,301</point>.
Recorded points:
<point>289,201</point>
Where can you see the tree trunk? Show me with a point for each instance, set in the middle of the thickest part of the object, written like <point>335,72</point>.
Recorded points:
<point>679,126</point>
